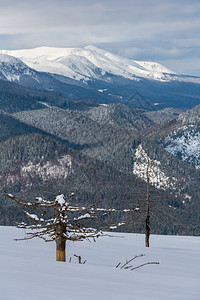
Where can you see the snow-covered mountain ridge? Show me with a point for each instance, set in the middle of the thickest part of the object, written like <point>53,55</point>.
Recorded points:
<point>12,68</point>
<point>97,76</point>
<point>90,63</point>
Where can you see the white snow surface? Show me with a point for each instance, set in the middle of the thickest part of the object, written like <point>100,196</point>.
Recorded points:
<point>89,62</point>
<point>29,270</point>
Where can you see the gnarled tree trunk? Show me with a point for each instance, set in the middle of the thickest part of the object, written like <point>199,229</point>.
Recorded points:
<point>60,242</point>
<point>60,249</point>
<point>147,235</point>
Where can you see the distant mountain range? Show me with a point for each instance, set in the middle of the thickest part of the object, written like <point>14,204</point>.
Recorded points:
<point>99,76</point>
<point>89,63</point>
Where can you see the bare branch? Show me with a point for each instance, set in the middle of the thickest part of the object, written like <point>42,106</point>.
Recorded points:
<point>148,263</point>
<point>131,260</point>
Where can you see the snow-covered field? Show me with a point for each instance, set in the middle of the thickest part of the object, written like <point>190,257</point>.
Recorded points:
<point>28,270</point>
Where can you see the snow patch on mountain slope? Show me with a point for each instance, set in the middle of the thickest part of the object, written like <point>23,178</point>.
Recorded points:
<point>49,169</point>
<point>59,169</point>
<point>185,143</point>
<point>163,115</point>
<point>157,177</point>
<point>88,63</point>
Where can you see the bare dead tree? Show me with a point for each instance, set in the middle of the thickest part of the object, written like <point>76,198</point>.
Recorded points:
<point>152,203</point>
<point>147,219</point>
<point>147,203</point>
<point>144,202</point>
<point>67,223</point>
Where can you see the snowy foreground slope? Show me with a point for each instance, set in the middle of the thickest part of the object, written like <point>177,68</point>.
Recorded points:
<point>29,271</point>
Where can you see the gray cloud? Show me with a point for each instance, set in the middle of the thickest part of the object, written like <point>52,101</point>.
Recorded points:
<point>168,32</point>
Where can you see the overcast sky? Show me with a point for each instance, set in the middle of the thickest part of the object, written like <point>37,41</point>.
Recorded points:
<point>166,31</point>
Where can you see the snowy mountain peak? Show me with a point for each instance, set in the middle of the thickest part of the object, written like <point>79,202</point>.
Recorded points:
<point>96,49</point>
<point>92,47</point>
<point>89,63</point>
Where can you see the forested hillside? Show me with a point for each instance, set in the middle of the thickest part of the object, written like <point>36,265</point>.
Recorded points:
<point>103,164</point>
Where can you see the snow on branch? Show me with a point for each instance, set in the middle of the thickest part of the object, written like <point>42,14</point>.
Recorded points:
<point>64,222</point>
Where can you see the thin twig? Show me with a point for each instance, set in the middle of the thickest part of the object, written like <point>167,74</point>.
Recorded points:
<point>131,260</point>
<point>148,263</point>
